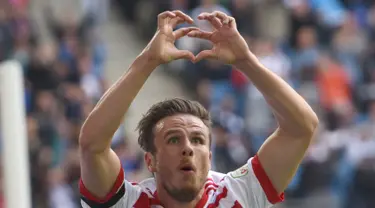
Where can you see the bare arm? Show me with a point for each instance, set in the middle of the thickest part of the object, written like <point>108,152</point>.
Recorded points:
<point>281,154</point>
<point>99,164</point>
<point>284,150</point>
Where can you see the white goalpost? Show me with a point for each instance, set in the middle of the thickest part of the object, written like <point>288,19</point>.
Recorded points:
<point>16,177</point>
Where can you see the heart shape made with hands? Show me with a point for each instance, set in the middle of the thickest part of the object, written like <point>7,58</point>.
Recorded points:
<point>228,45</point>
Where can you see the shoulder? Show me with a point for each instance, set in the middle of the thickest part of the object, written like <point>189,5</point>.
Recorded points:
<point>123,194</point>
<point>251,181</point>
<point>113,198</point>
<point>251,167</point>
<point>247,185</point>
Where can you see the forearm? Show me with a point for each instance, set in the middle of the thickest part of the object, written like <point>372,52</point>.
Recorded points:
<point>292,112</point>
<point>98,129</point>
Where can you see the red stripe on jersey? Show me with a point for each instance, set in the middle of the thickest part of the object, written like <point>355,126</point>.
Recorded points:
<point>265,182</point>
<point>210,184</point>
<point>86,193</point>
<point>222,195</point>
<point>237,205</point>
<point>210,189</point>
<point>203,200</point>
<point>142,202</point>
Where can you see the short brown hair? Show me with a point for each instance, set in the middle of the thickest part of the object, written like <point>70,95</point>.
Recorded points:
<point>164,109</point>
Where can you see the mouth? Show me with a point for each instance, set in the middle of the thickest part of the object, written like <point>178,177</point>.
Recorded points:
<point>187,168</point>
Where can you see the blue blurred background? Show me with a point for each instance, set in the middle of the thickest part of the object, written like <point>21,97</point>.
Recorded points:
<point>72,50</point>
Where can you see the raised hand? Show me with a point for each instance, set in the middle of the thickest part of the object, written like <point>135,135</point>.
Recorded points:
<point>161,48</point>
<point>228,45</point>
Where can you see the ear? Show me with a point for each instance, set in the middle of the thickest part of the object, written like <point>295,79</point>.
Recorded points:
<point>151,162</point>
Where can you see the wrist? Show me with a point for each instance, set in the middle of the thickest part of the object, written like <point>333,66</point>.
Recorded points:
<point>143,65</point>
<point>248,63</point>
<point>147,61</point>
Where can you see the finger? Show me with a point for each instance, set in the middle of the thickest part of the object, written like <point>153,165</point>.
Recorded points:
<point>232,22</point>
<point>184,54</point>
<point>184,16</point>
<point>166,14</point>
<point>214,21</point>
<point>203,15</point>
<point>176,21</point>
<point>163,16</point>
<point>206,54</point>
<point>222,16</point>
<point>200,34</point>
<point>183,31</point>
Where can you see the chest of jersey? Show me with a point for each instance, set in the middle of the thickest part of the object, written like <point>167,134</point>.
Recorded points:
<point>247,187</point>
<point>214,197</point>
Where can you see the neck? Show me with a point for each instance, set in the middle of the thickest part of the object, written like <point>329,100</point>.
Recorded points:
<point>168,201</point>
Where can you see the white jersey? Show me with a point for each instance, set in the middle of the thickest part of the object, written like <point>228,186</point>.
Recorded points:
<point>247,186</point>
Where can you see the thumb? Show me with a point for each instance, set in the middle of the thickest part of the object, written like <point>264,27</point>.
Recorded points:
<point>209,54</point>
<point>184,54</point>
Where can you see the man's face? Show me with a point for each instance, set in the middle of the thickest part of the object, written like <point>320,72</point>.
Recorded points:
<point>182,158</point>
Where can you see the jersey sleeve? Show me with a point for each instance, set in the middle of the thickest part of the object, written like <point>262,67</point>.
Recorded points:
<point>252,186</point>
<point>123,194</point>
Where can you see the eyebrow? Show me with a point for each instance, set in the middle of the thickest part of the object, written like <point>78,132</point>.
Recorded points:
<point>198,133</point>
<point>174,131</point>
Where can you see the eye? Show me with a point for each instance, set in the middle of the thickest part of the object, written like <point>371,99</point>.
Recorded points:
<point>173,140</point>
<point>197,140</point>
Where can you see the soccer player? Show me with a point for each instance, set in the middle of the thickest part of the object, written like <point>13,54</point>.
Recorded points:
<point>176,137</point>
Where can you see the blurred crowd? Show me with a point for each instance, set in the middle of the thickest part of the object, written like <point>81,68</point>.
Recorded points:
<point>325,50</point>
<point>64,78</point>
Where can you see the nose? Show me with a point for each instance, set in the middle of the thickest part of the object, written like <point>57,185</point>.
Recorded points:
<point>187,150</point>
